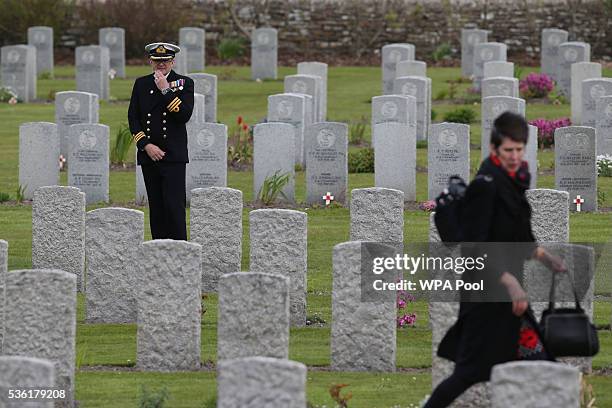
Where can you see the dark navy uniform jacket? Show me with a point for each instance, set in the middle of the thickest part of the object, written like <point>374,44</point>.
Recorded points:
<point>160,119</point>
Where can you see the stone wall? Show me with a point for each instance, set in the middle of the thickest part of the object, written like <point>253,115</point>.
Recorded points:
<point>332,30</point>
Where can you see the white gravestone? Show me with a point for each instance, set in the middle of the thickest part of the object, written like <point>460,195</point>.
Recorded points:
<point>391,54</point>
<point>71,108</point>
<point>88,155</point>
<point>469,39</point>
<point>581,71</point>
<point>264,53</point>
<point>39,150</point>
<point>18,70</point>
<point>41,38</point>
<point>114,39</point>
<point>549,50</point>
<point>192,41</point>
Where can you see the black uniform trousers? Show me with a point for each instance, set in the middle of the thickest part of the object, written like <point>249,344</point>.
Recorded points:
<point>165,183</point>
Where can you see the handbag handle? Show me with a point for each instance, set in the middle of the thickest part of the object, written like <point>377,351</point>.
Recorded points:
<point>551,297</point>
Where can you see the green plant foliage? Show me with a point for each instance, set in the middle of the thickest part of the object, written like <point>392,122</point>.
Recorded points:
<point>272,187</point>
<point>123,141</point>
<point>229,48</point>
<point>357,132</point>
<point>4,197</point>
<point>361,161</point>
<point>461,115</point>
<point>20,194</point>
<point>443,51</point>
<point>152,399</point>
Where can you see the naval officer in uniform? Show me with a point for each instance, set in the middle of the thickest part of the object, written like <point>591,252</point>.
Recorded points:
<point>160,106</point>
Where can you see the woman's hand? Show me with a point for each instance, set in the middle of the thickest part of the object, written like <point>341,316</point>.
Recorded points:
<point>516,292</point>
<point>551,261</point>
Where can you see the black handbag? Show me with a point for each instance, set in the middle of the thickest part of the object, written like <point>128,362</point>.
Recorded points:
<point>568,332</point>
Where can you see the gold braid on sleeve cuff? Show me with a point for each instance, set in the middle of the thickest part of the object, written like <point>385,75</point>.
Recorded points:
<point>174,105</point>
<point>138,136</point>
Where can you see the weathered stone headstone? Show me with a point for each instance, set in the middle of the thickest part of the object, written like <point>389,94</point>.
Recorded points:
<point>581,71</point>
<point>411,68</point>
<point>377,214</point>
<point>274,153</point>
<point>206,84</point>
<point>549,214</point>
<point>363,332</point>
<point>391,54</point>
<point>113,38</point>
<point>180,63</point>
<point>534,383</point>
<point>575,166</point>
<point>22,373</point>
<point>18,70</point>
<point>306,85</point>
<point>263,381</point>
<point>41,321</point>
<point>592,90</point>
<point>112,237</point>
<point>92,66</point>
<point>71,108</point>
<point>570,53</point>
<point>492,107</point>
<point>290,108</point>
<point>264,53</point>
<point>419,88</point>
<point>88,158</point>
<point>253,316</point>
<point>38,156</point>
<point>207,146</point>
<point>500,86</point>
<point>326,150</point>
<point>216,224</point>
<point>192,41</point>
<point>603,125</point>
<point>498,69</point>
<point>448,154</point>
<point>41,38</point>
<point>317,69</point>
<point>395,158</point>
<point>58,230</point>
<point>3,270</point>
<point>486,52</point>
<point>169,302</point>
<point>279,246</point>
<point>199,111</point>
<point>393,108</point>
<point>531,155</point>
<point>549,50</point>
<point>469,39</point>
<point>141,197</point>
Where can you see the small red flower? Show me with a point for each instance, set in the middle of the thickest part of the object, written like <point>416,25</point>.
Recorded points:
<point>528,338</point>
<point>239,120</point>
<point>245,127</point>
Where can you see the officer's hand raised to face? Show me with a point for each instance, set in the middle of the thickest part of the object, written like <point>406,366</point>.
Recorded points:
<point>154,152</point>
<point>160,80</point>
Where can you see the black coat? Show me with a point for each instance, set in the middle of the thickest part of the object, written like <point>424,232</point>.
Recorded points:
<point>495,210</point>
<point>160,119</point>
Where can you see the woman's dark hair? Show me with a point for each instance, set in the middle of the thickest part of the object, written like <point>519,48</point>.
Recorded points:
<point>510,125</point>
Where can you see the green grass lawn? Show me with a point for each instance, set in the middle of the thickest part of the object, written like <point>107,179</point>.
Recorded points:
<point>350,92</point>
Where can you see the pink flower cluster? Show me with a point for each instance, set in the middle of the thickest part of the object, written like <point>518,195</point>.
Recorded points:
<point>536,85</point>
<point>428,206</point>
<point>546,129</point>
<point>405,319</point>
